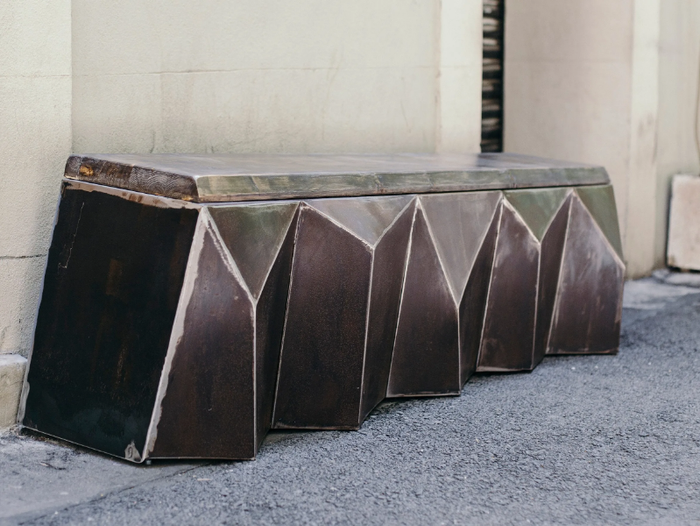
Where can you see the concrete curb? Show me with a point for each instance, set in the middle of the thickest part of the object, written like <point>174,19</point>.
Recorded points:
<point>12,367</point>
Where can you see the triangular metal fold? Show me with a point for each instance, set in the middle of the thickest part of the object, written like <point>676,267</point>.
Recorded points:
<point>551,254</point>
<point>588,305</point>
<point>537,207</point>
<point>458,223</point>
<point>215,347</point>
<point>253,234</point>
<point>600,203</point>
<point>473,305</point>
<point>507,341</point>
<point>425,360</point>
<point>365,217</point>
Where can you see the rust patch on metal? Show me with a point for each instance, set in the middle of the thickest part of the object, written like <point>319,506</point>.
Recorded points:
<point>86,171</point>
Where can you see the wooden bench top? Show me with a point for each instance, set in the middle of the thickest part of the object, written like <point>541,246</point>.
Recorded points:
<point>223,178</point>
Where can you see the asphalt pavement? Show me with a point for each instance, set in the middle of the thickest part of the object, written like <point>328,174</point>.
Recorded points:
<point>581,440</point>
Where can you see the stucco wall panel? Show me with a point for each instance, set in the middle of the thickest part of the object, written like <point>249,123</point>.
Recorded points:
<point>34,38</point>
<point>679,75</point>
<point>19,281</point>
<point>35,120</point>
<point>570,31</point>
<point>35,112</point>
<point>117,113</point>
<point>134,36</point>
<point>264,76</point>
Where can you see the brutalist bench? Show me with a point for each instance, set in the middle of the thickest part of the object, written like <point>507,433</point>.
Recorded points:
<point>193,302</point>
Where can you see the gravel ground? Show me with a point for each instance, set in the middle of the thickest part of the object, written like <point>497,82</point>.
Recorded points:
<point>581,440</point>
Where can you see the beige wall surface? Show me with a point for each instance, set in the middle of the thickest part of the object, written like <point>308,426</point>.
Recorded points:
<point>679,82</point>
<point>459,74</point>
<point>35,125</point>
<point>274,76</point>
<point>639,213</point>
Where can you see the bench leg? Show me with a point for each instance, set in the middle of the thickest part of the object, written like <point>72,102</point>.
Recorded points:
<point>588,306</point>
<point>113,279</point>
<point>217,387</point>
<point>444,294</point>
<point>343,303</point>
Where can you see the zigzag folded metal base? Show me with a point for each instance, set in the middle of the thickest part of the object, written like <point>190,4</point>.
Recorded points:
<point>170,329</point>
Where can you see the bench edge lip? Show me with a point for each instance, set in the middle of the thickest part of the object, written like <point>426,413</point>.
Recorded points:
<point>250,177</point>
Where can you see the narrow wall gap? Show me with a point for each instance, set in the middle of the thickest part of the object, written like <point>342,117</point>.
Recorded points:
<point>492,77</point>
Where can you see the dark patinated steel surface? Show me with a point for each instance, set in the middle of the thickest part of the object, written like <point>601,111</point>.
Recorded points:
<point>508,334</point>
<point>114,275</point>
<point>550,265</point>
<point>341,317</point>
<point>209,404</point>
<point>473,304</point>
<point>426,352</point>
<point>322,352</point>
<point>175,329</point>
<point>588,305</point>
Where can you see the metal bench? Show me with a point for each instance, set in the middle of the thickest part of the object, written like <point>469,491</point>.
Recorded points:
<point>193,302</point>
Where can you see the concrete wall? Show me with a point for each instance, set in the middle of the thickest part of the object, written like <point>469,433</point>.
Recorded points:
<point>275,76</point>
<point>35,125</point>
<point>611,83</point>
<point>639,213</point>
<point>679,79</point>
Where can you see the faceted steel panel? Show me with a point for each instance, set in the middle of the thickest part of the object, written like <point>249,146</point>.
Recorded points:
<point>341,313</point>
<point>114,274</point>
<point>441,305</point>
<point>260,239</point>
<point>253,235</point>
<point>552,249</point>
<point>217,400</point>
<point>473,305</point>
<point>426,351</point>
<point>545,212</point>
<point>171,330</point>
<point>524,279</point>
<point>600,203</point>
<point>537,207</point>
<point>387,280</point>
<point>507,342</point>
<point>270,314</point>
<point>457,224</point>
<point>367,219</point>
<point>588,305</point>
<point>209,405</point>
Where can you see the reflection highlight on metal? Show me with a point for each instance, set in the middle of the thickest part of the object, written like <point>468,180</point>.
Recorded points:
<point>170,329</point>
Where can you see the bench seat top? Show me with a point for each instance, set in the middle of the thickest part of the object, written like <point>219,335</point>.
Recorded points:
<point>247,177</point>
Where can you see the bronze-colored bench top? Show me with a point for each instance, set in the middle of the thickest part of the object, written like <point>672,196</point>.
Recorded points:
<point>226,178</point>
